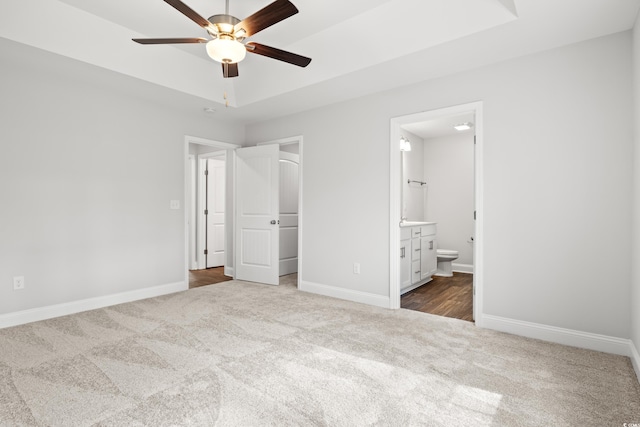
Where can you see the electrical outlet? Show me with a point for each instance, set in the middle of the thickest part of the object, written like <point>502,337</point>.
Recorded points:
<point>18,283</point>
<point>356,268</point>
<point>174,204</point>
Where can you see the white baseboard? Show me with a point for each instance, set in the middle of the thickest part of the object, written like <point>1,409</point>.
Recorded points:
<point>229,272</point>
<point>57,310</point>
<point>346,294</point>
<point>462,268</point>
<point>414,286</point>
<point>564,336</point>
<point>635,359</point>
<point>288,266</point>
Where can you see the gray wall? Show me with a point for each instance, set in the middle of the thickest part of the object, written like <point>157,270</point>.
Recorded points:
<point>557,177</point>
<point>413,169</point>
<point>87,171</point>
<point>635,299</point>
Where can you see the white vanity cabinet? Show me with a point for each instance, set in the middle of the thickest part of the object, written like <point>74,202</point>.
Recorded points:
<point>429,252</point>
<point>418,254</point>
<point>405,257</point>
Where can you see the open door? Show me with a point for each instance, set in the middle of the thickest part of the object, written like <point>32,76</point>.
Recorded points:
<point>214,212</point>
<point>257,214</point>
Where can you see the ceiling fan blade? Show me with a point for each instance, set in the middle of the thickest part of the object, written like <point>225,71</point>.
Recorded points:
<point>266,17</point>
<point>229,70</point>
<point>280,55</point>
<point>190,13</point>
<point>171,41</point>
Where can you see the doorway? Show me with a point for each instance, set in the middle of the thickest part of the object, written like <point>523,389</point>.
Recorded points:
<point>421,127</point>
<point>268,201</point>
<point>204,231</point>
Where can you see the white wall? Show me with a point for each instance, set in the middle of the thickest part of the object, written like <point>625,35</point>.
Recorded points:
<point>557,177</point>
<point>635,296</point>
<point>87,171</point>
<point>448,171</point>
<point>413,169</point>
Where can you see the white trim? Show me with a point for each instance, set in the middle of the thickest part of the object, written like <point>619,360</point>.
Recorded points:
<point>210,143</point>
<point>283,141</point>
<point>300,204</point>
<point>415,286</point>
<point>229,271</point>
<point>345,294</point>
<point>478,241</point>
<point>200,141</point>
<point>57,310</point>
<point>395,186</point>
<point>395,214</point>
<point>558,335</point>
<point>635,359</point>
<point>462,268</point>
<point>191,213</point>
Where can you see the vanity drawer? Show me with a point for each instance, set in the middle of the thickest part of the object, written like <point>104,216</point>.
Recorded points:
<point>416,232</point>
<point>415,249</point>
<point>415,271</point>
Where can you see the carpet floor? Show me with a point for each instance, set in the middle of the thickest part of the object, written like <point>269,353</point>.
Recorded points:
<point>243,354</point>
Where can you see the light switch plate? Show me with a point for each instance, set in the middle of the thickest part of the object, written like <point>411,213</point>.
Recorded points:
<point>174,204</point>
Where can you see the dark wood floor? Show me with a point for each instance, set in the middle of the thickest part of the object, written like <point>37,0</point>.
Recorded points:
<point>443,296</point>
<point>207,277</point>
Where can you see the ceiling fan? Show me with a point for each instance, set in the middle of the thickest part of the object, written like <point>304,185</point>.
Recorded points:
<point>228,32</point>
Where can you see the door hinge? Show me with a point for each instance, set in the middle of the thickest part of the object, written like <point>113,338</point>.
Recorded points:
<point>206,171</point>
<point>206,211</point>
<point>206,252</point>
<point>474,215</point>
<point>474,139</point>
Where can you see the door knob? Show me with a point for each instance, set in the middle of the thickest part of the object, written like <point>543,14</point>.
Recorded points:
<point>273,221</point>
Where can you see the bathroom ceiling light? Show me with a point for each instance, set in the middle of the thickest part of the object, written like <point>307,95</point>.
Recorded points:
<point>405,144</point>
<point>463,126</point>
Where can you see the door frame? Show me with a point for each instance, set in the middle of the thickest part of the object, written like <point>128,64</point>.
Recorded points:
<point>188,139</point>
<point>200,216</point>
<point>297,139</point>
<point>395,186</point>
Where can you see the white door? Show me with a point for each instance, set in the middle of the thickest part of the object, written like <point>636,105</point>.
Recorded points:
<point>257,211</point>
<point>215,212</point>
<point>289,163</point>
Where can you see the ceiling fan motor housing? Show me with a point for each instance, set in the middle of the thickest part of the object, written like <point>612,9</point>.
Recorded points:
<point>224,23</point>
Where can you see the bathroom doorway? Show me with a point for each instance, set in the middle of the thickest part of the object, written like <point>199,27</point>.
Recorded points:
<point>439,181</point>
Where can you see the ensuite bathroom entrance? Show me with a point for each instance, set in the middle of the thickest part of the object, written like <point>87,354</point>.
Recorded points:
<point>437,210</point>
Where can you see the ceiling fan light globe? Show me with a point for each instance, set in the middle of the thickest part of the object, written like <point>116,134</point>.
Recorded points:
<point>226,50</point>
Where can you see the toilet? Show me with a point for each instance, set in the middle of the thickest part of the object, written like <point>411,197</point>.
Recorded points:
<point>445,256</point>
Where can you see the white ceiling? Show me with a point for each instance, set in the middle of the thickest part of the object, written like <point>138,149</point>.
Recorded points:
<point>442,126</point>
<point>358,46</point>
